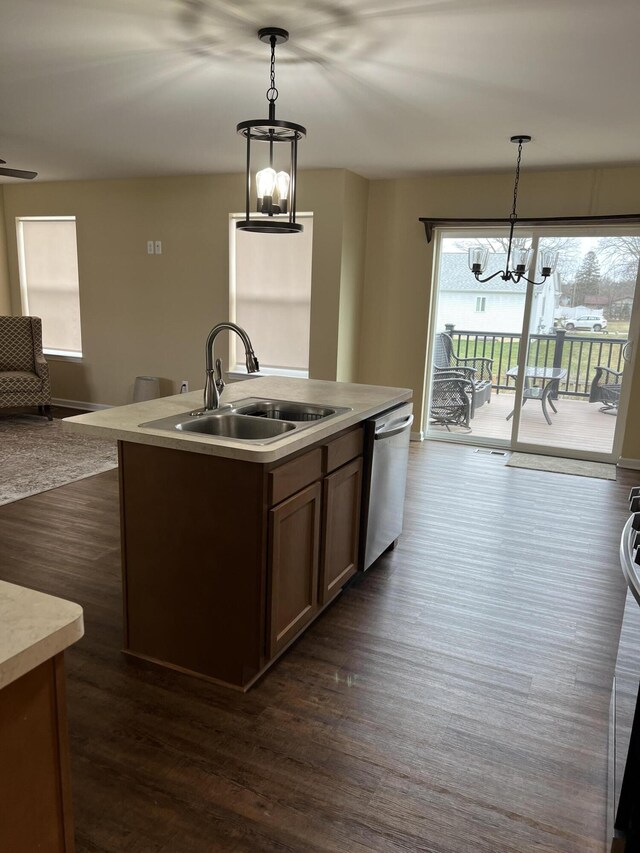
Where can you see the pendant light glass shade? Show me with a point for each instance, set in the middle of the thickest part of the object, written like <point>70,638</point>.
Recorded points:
<point>275,191</point>
<point>478,259</point>
<point>548,261</point>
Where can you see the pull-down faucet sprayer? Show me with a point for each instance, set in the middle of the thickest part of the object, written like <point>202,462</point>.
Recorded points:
<point>214,383</point>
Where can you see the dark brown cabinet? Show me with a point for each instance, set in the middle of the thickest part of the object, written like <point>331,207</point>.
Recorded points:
<point>226,562</point>
<point>341,525</point>
<point>35,783</point>
<point>294,536</point>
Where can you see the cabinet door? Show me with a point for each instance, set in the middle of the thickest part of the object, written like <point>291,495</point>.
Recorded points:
<point>294,556</point>
<point>342,491</point>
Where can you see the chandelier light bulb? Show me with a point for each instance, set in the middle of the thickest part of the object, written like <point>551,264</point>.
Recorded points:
<point>283,180</point>
<point>265,182</point>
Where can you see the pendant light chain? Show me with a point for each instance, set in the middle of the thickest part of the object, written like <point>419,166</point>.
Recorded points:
<point>514,215</point>
<point>272,92</point>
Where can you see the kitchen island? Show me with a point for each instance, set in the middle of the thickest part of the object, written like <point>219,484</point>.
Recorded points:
<point>231,548</point>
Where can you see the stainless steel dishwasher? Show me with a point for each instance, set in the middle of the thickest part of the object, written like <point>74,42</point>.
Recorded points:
<point>386,457</point>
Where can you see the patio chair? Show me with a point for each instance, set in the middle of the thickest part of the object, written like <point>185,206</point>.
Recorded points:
<point>476,370</point>
<point>24,373</point>
<point>607,391</point>
<point>451,400</point>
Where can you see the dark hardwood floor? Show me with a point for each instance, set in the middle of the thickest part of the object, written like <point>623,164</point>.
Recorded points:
<point>452,700</point>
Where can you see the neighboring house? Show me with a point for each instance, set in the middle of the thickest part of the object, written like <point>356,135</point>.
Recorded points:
<point>496,305</point>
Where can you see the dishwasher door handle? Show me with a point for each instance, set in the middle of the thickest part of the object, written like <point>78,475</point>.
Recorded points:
<point>388,433</point>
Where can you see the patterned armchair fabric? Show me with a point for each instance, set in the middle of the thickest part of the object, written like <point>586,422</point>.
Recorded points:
<point>24,373</point>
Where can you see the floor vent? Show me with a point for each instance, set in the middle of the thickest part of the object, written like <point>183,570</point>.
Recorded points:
<point>491,452</point>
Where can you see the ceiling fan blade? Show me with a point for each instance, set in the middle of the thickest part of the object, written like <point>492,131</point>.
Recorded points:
<point>17,173</point>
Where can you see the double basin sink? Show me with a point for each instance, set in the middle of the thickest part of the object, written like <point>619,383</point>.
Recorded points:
<point>253,419</point>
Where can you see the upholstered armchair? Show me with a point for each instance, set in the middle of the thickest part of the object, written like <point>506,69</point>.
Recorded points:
<point>24,373</point>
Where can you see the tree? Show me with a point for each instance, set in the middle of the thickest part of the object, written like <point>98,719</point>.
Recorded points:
<point>588,279</point>
<point>620,257</point>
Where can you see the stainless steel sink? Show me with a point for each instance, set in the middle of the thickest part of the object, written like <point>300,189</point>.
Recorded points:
<point>284,410</point>
<point>253,419</point>
<point>235,426</point>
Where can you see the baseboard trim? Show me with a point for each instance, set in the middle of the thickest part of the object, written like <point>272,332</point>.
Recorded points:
<point>417,436</point>
<point>625,462</point>
<point>79,404</point>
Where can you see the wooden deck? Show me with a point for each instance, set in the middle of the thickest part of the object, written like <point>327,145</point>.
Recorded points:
<point>578,425</point>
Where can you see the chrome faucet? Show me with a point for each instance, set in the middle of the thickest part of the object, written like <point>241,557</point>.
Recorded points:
<point>214,383</point>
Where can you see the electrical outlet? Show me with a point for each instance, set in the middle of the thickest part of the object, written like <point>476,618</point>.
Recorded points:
<point>149,247</point>
<point>184,386</point>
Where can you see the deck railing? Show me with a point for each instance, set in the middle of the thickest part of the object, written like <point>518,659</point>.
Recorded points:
<point>578,354</point>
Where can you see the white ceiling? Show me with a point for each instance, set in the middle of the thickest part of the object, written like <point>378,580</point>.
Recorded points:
<point>120,88</point>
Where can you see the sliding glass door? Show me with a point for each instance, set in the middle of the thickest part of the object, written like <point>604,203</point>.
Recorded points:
<point>532,367</point>
<point>575,371</point>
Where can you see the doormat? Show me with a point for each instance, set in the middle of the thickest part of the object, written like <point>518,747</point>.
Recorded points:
<point>580,467</point>
<point>36,455</point>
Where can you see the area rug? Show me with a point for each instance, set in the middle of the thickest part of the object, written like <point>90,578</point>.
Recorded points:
<point>582,468</point>
<point>36,455</point>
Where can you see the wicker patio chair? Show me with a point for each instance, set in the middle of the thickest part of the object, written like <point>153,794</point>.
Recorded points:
<point>451,400</point>
<point>477,370</point>
<point>606,392</point>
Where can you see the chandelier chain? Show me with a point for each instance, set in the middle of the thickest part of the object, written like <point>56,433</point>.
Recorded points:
<point>272,92</point>
<point>514,215</point>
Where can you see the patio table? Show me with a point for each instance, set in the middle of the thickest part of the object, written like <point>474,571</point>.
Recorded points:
<point>552,377</point>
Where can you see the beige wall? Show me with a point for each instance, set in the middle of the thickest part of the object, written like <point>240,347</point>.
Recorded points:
<point>354,236</point>
<point>393,345</point>
<point>5,291</point>
<point>148,314</point>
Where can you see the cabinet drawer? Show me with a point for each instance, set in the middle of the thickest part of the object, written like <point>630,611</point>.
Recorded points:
<point>289,478</point>
<point>342,450</point>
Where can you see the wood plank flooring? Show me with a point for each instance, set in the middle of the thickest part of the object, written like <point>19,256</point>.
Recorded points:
<point>453,700</point>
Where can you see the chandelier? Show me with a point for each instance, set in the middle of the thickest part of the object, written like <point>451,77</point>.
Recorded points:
<point>517,258</point>
<point>275,190</point>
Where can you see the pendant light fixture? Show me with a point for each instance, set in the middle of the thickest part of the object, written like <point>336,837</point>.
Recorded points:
<point>275,191</point>
<point>517,258</point>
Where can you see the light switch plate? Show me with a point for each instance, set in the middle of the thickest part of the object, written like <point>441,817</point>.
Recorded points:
<point>158,247</point>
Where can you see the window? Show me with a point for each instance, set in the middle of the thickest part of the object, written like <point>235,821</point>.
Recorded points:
<point>481,303</point>
<point>48,263</point>
<point>270,296</point>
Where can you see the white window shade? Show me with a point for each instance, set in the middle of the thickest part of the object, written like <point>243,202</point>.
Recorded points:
<point>271,295</point>
<point>49,280</point>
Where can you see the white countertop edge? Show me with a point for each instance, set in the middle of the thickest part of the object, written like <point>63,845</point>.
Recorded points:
<point>34,627</point>
<point>98,424</point>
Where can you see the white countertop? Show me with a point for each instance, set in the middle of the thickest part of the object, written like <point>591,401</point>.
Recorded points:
<point>122,422</point>
<point>33,628</point>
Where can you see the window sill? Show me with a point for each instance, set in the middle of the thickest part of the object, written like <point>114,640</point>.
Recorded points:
<point>58,355</point>
<point>239,373</point>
